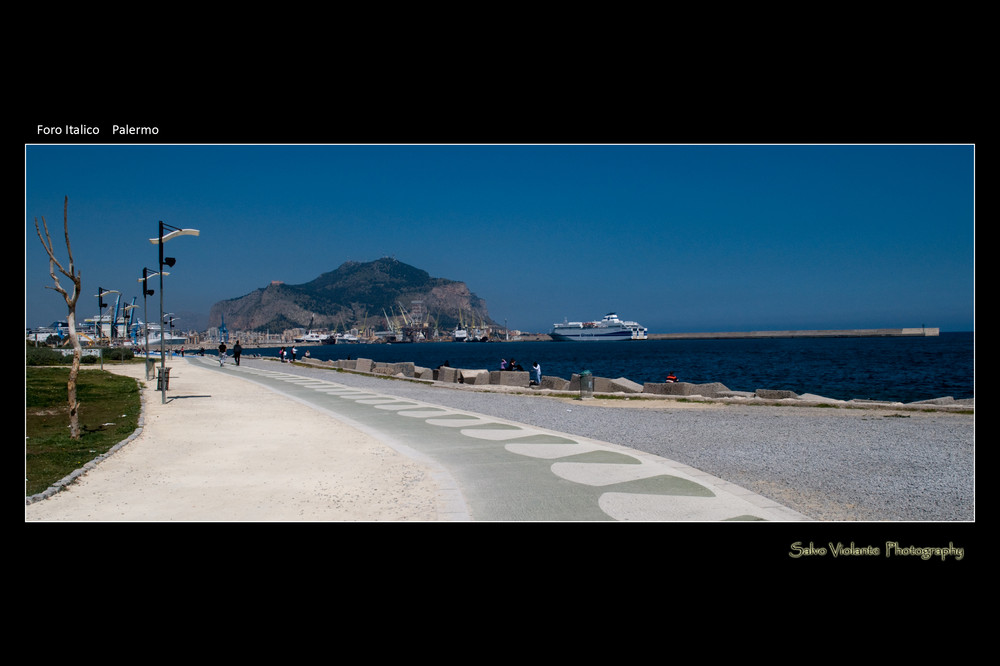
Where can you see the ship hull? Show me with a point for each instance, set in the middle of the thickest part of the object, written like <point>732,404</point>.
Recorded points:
<point>590,336</point>
<point>611,328</point>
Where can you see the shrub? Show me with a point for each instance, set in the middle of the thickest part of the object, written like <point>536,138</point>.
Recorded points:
<point>35,356</point>
<point>45,356</point>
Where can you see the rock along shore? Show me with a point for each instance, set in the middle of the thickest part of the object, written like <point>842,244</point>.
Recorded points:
<point>621,387</point>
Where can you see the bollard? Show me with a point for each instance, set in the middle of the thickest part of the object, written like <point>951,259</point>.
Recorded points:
<point>586,385</point>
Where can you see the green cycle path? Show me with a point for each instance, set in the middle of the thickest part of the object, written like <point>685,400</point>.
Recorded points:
<point>500,470</point>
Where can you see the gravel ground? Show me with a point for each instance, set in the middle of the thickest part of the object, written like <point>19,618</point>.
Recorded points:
<point>829,464</point>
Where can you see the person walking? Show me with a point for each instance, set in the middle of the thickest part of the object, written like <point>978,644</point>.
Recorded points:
<point>222,354</point>
<point>237,350</point>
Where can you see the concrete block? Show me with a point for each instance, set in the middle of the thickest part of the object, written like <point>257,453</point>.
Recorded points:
<point>623,385</point>
<point>555,383</point>
<point>668,388</point>
<point>474,376</point>
<point>774,394</point>
<point>364,364</point>
<point>422,373</point>
<point>708,390</point>
<point>447,374</point>
<point>405,369</point>
<point>509,378</point>
<point>946,400</point>
<point>711,389</point>
<point>734,394</point>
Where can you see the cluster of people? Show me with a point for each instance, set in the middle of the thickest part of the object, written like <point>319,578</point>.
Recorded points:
<point>288,356</point>
<point>536,370</point>
<point>510,365</point>
<point>237,352</point>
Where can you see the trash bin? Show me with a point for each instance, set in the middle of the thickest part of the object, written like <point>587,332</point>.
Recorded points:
<point>586,385</point>
<point>163,380</point>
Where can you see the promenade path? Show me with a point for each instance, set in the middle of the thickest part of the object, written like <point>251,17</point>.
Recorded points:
<point>256,433</point>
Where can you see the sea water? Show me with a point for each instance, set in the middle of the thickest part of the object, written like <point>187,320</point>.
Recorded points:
<point>904,369</point>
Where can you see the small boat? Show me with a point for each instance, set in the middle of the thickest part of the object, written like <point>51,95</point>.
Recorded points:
<point>608,328</point>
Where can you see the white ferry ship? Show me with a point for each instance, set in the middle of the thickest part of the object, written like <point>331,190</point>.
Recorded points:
<point>609,328</point>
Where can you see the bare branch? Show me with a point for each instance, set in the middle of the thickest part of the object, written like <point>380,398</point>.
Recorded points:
<point>52,257</point>
<point>69,248</point>
<point>72,274</point>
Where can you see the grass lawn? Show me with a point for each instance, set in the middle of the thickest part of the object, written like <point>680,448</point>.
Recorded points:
<point>109,412</point>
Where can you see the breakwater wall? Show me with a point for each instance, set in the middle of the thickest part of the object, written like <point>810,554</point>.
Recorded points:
<point>585,385</point>
<point>518,378</point>
<point>831,333</point>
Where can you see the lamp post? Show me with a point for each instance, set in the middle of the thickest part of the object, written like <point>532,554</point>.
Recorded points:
<point>101,293</point>
<point>168,322</point>
<point>127,314</point>
<point>146,274</point>
<point>173,232</point>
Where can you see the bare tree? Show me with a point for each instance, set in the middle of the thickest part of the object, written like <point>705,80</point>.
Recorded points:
<point>71,298</point>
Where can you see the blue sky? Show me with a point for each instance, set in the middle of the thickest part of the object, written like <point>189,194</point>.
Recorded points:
<point>681,238</point>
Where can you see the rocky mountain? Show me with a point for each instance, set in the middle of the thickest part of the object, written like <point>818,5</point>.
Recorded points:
<point>355,295</point>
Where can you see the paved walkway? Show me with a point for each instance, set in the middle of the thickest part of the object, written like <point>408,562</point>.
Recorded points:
<point>497,470</point>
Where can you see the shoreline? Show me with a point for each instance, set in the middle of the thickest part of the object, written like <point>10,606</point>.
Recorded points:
<point>688,393</point>
<point>634,397</point>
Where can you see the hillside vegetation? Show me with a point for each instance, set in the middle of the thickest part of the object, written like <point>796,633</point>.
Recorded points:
<point>355,295</point>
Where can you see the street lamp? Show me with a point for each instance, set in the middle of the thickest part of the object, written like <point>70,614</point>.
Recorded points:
<point>168,321</point>
<point>127,310</point>
<point>101,292</point>
<point>146,274</point>
<point>174,232</point>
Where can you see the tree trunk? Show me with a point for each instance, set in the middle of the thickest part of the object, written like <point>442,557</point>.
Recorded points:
<point>74,275</point>
<point>74,372</point>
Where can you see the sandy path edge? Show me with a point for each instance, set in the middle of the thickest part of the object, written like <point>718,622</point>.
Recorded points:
<point>226,449</point>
